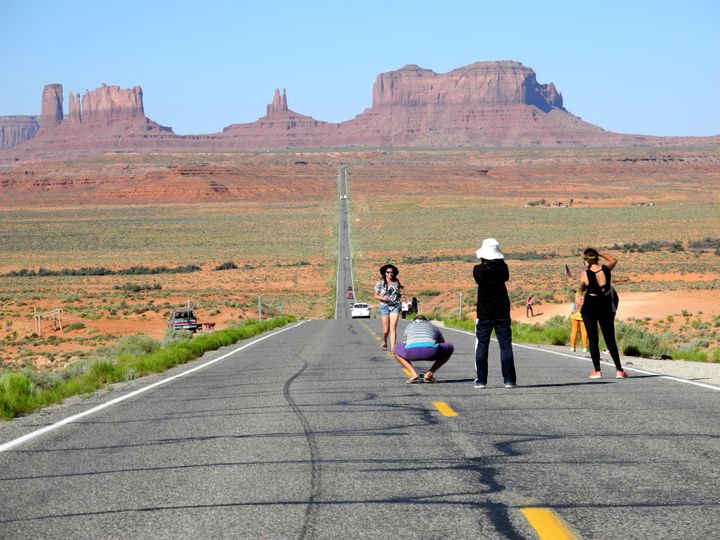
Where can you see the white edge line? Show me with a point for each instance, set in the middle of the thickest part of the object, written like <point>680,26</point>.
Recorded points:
<point>636,370</point>
<point>69,419</point>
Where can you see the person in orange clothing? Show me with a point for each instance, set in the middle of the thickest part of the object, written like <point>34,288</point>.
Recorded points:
<point>576,323</point>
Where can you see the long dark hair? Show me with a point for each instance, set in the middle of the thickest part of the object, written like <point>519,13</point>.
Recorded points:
<point>397,280</point>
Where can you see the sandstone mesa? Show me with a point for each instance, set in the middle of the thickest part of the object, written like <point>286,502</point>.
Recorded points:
<point>483,104</point>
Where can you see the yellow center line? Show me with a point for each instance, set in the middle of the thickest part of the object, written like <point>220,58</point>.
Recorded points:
<point>379,340</point>
<point>444,408</point>
<point>547,524</point>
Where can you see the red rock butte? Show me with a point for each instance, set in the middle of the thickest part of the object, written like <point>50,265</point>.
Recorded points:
<point>484,104</point>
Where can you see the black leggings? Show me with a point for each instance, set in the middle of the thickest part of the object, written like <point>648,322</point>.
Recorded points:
<point>607,326</point>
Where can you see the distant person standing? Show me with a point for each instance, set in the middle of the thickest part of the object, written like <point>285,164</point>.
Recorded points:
<point>529,307</point>
<point>389,291</point>
<point>404,307</point>
<point>577,325</point>
<point>597,309</point>
<point>493,312</point>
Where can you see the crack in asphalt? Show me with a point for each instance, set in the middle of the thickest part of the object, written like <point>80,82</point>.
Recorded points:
<point>308,527</point>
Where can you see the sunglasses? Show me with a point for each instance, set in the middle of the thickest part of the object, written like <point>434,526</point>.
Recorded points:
<point>389,272</point>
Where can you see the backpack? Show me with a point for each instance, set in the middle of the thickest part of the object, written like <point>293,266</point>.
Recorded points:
<point>614,299</point>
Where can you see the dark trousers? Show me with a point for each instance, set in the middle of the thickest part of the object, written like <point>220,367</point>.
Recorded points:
<point>606,321</point>
<point>503,333</point>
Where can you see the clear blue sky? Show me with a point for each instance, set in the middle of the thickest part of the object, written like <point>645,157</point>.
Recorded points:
<point>649,67</point>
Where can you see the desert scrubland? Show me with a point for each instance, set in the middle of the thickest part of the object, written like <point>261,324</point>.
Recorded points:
<point>249,225</point>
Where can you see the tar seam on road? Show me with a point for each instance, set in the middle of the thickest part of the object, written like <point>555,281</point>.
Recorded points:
<point>311,511</point>
<point>636,370</point>
<point>16,442</point>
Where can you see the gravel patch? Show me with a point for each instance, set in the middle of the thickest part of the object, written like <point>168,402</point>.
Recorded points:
<point>702,372</point>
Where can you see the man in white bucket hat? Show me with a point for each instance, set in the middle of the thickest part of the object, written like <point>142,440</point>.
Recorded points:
<point>493,313</point>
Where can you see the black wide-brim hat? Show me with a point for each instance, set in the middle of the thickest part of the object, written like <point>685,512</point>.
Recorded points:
<point>386,267</point>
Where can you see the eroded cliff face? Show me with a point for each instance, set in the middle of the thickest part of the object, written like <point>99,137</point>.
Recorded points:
<point>110,103</point>
<point>477,85</point>
<point>17,129</point>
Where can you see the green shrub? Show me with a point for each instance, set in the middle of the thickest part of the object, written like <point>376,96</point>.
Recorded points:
<point>175,336</point>
<point>73,369</point>
<point>226,266</point>
<point>428,292</point>
<point>631,350</point>
<point>136,344</point>
<point>638,340</point>
<point>138,287</point>
<point>73,326</point>
<point>16,392</point>
<point>556,331</point>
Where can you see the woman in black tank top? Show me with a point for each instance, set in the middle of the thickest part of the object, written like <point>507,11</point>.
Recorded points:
<point>597,310</point>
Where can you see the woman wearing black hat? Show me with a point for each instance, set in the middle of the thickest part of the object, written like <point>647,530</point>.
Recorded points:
<point>388,291</point>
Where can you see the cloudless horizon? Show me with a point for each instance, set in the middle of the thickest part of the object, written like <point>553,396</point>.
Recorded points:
<point>641,67</point>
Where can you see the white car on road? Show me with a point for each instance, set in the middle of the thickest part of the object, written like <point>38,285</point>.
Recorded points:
<point>360,310</point>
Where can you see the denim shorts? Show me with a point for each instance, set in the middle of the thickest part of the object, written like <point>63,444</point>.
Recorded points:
<point>386,310</point>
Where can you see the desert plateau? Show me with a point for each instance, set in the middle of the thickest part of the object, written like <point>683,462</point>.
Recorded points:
<point>228,231</point>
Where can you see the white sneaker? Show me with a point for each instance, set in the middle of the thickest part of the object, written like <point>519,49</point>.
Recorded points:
<point>478,384</point>
<point>572,349</point>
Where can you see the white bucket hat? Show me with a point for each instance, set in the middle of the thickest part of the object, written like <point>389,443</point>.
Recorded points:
<point>490,249</point>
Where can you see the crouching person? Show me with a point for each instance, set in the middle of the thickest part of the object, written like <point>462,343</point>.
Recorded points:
<point>422,340</point>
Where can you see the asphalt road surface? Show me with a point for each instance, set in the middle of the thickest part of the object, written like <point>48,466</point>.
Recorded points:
<point>344,283</point>
<point>311,432</point>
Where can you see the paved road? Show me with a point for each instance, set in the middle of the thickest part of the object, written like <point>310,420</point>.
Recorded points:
<point>344,267</point>
<point>312,433</point>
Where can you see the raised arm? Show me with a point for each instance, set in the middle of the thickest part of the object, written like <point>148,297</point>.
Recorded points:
<point>610,261</point>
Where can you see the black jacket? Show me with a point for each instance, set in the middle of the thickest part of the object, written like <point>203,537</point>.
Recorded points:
<point>492,298</point>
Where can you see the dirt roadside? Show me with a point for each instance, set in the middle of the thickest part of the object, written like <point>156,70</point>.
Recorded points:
<point>700,372</point>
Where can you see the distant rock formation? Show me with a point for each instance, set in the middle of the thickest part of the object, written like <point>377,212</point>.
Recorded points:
<point>479,84</point>
<point>74,108</point>
<point>52,111</point>
<point>281,127</point>
<point>17,129</point>
<point>480,105</point>
<point>279,103</point>
<point>107,118</point>
<point>108,104</point>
